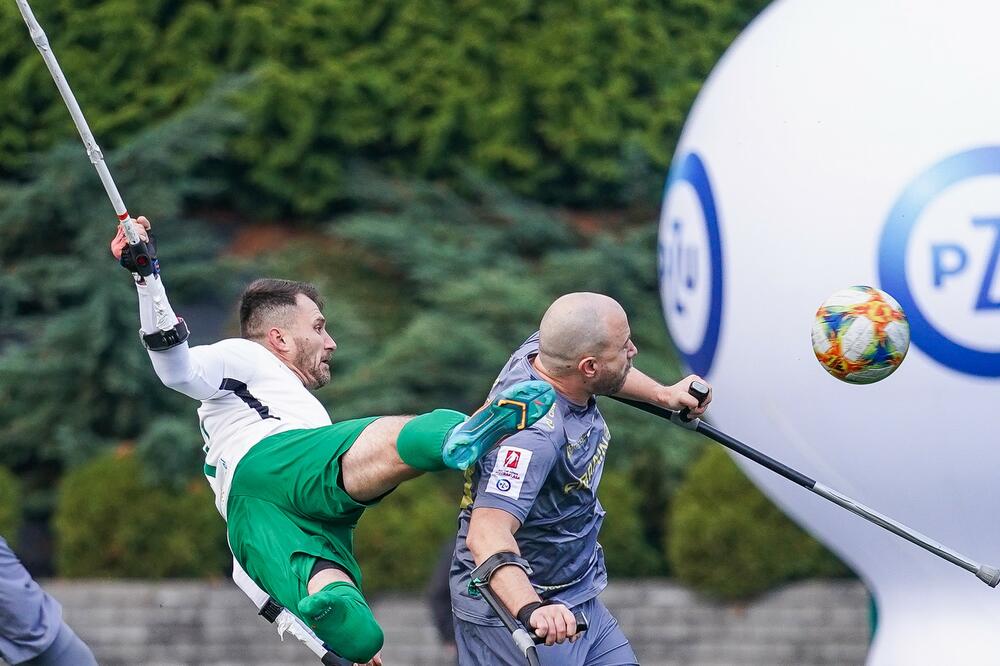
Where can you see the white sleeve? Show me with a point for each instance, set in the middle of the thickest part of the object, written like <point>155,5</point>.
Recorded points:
<point>197,373</point>
<point>155,313</point>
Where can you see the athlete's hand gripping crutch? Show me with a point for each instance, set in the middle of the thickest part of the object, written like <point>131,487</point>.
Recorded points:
<point>523,636</point>
<point>987,574</point>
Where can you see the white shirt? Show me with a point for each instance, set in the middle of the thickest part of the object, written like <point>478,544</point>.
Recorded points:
<point>246,394</point>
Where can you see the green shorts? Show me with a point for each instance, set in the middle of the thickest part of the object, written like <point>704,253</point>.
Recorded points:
<point>286,509</point>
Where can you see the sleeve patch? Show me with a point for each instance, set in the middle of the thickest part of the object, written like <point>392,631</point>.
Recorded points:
<point>509,472</point>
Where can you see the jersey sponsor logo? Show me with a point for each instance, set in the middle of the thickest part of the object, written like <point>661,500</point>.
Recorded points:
<point>509,472</point>
<point>572,446</point>
<point>593,467</point>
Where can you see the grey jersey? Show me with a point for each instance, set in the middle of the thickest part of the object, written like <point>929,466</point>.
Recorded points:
<point>545,476</point>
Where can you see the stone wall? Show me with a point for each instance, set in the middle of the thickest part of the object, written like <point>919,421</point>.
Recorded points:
<point>816,622</point>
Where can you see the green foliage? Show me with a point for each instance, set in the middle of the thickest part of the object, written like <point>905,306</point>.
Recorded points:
<point>729,541</point>
<point>170,451</point>
<point>626,551</point>
<point>109,522</point>
<point>398,542</point>
<point>576,102</point>
<point>10,506</point>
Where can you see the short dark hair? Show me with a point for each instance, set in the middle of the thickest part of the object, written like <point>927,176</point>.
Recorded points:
<point>264,297</point>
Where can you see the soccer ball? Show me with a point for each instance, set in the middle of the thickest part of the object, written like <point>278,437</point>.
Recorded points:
<point>860,335</point>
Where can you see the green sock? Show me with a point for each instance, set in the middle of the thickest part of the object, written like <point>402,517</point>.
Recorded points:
<point>343,620</point>
<point>421,439</point>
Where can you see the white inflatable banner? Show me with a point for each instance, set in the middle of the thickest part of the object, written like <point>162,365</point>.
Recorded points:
<point>838,144</point>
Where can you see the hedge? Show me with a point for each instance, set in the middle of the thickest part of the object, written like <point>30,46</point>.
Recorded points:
<point>576,102</point>
<point>110,522</point>
<point>10,506</point>
<point>729,541</point>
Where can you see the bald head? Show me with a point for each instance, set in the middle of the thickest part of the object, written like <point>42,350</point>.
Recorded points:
<point>577,326</point>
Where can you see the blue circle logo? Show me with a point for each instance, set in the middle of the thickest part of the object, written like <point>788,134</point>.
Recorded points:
<point>689,257</point>
<point>938,256</point>
<point>503,485</point>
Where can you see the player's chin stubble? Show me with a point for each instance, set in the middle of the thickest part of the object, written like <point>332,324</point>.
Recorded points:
<point>612,385</point>
<point>322,374</point>
<point>319,372</point>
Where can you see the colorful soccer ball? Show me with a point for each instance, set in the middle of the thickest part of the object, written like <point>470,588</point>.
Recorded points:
<point>860,335</point>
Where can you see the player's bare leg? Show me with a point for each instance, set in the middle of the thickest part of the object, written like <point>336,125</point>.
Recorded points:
<point>393,449</point>
<point>372,466</point>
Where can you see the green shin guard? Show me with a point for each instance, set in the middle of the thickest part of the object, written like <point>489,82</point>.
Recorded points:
<point>422,438</point>
<point>342,619</point>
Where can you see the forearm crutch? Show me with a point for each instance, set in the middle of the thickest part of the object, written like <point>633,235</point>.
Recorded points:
<point>523,637</point>
<point>89,143</point>
<point>987,574</point>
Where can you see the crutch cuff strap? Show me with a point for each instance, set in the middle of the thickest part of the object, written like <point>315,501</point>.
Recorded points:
<point>164,340</point>
<point>481,575</point>
<point>270,610</point>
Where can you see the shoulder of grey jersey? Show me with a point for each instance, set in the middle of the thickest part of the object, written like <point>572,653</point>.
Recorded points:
<point>517,368</point>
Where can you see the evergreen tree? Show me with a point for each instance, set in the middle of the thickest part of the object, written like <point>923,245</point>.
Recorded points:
<point>577,102</point>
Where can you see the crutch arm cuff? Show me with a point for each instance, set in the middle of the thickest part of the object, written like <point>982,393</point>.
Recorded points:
<point>481,575</point>
<point>164,340</point>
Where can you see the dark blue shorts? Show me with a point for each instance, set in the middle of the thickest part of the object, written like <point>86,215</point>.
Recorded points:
<point>603,644</point>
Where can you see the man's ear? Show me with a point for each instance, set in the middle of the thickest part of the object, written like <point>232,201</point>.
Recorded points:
<point>588,367</point>
<point>277,340</point>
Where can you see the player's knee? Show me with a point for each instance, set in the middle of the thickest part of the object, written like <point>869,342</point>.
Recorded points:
<point>342,619</point>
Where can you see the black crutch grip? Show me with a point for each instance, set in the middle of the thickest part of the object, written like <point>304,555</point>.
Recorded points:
<point>140,258</point>
<point>581,626</point>
<point>700,391</point>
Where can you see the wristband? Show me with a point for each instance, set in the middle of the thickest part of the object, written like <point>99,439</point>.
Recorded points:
<point>524,615</point>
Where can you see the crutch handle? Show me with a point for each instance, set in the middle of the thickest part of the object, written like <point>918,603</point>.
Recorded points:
<point>700,392</point>
<point>581,626</point>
